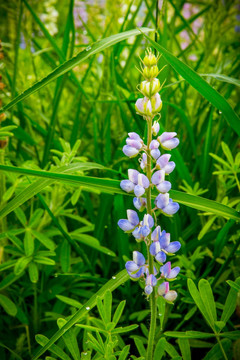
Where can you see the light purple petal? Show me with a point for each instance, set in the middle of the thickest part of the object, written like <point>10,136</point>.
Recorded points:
<point>138,274</point>
<point>134,136</point>
<point>161,257</point>
<point>155,153</point>
<point>125,225</point>
<point>164,239</point>
<point>154,144</point>
<point>163,288</point>
<point>134,143</point>
<point>164,186</point>
<point>162,201</point>
<point>143,162</point>
<point>130,151</point>
<point>171,295</point>
<point>148,220</point>
<point>163,160</point>
<point>131,266</point>
<point>138,258</point>
<point>133,175</point>
<point>148,289</point>
<point>127,185</point>
<point>137,233</point>
<point>151,280</point>
<point>133,217</point>
<point>156,234</point>
<point>171,208</point>
<point>155,248</point>
<point>173,273</point>
<point>139,203</point>
<point>155,128</point>
<point>145,231</point>
<point>170,144</point>
<point>169,167</point>
<point>173,247</point>
<point>165,269</point>
<point>143,181</point>
<point>158,177</point>
<point>166,136</point>
<point>139,190</point>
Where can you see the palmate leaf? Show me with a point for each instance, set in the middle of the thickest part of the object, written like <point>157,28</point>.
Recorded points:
<point>108,186</point>
<point>208,92</point>
<point>111,285</point>
<point>74,61</point>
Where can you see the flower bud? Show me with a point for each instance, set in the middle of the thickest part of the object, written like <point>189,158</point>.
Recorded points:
<point>150,88</point>
<point>150,72</point>
<point>147,107</point>
<point>150,59</point>
<point>155,128</point>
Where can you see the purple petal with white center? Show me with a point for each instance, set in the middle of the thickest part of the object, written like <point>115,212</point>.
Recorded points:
<point>140,104</point>
<point>171,295</point>
<point>138,258</point>
<point>143,162</point>
<point>125,225</point>
<point>134,143</point>
<point>158,177</point>
<point>139,190</point>
<point>133,175</point>
<point>131,266</point>
<point>164,239</point>
<point>137,233</point>
<point>165,269</point>
<point>151,280</point>
<point>171,208</point>
<point>148,220</point>
<point>166,136</point>
<point>164,186</point>
<point>127,185</point>
<point>173,273</point>
<point>169,167</point>
<point>154,144</point>
<point>137,275</point>
<point>173,247</point>
<point>134,136</point>
<point>145,231</point>
<point>155,153</point>
<point>143,181</point>
<point>155,248</point>
<point>170,144</point>
<point>130,151</point>
<point>162,201</point>
<point>163,288</point>
<point>133,217</point>
<point>156,234</point>
<point>148,289</point>
<point>155,128</point>
<point>139,203</point>
<point>163,160</point>
<point>161,257</point>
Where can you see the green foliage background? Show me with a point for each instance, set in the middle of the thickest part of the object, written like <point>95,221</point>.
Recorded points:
<point>68,85</point>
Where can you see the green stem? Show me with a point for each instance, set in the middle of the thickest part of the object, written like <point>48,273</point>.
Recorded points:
<point>221,347</point>
<point>153,309</point>
<point>3,220</point>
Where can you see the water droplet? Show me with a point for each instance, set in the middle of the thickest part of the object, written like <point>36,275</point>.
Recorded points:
<point>113,277</point>
<point>88,48</point>
<point>220,112</point>
<point>87,308</point>
<point>85,353</point>
<point>160,314</point>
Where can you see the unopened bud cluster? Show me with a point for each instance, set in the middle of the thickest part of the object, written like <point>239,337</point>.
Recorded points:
<point>157,240</point>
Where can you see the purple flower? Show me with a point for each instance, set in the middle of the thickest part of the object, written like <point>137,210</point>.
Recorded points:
<point>136,267</point>
<point>169,295</point>
<point>139,203</point>
<point>158,179</point>
<point>156,234</point>
<point>155,128</point>
<point>169,273</point>
<point>160,248</point>
<point>131,223</point>
<point>150,282</point>
<point>168,140</point>
<point>134,145</point>
<point>149,107</point>
<point>144,229</point>
<point>143,162</point>
<point>155,152</point>
<point>164,164</point>
<point>164,203</point>
<point>137,182</point>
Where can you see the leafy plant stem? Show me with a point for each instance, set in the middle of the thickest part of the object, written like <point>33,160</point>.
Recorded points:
<point>152,329</point>
<point>221,347</point>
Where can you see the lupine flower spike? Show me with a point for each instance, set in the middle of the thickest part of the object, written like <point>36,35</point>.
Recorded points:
<point>155,166</point>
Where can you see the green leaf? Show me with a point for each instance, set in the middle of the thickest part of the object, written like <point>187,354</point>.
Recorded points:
<point>107,301</point>
<point>101,310</point>
<point>208,300</point>
<point>230,304</point>
<point>140,347</point>
<point>92,242</point>
<point>43,260</point>
<point>189,334</point>
<point>233,285</point>
<point>124,353</point>
<point>28,243</point>
<point>91,328</point>
<point>33,272</point>
<point>208,92</point>
<point>216,353</point>
<point>106,186</point>
<point>74,61</point>
<point>118,312</point>
<point>227,153</point>
<point>65,254</point>
<point>21,264</point>
<point>69,301</point>
<point>121,330</point>
<point>43,340</point>
<point>8,305</point>
<point>112,284</point>
<point>70,340</point>
<point>159,350</point>
<point>185,349</point>
<point>199,302</point>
